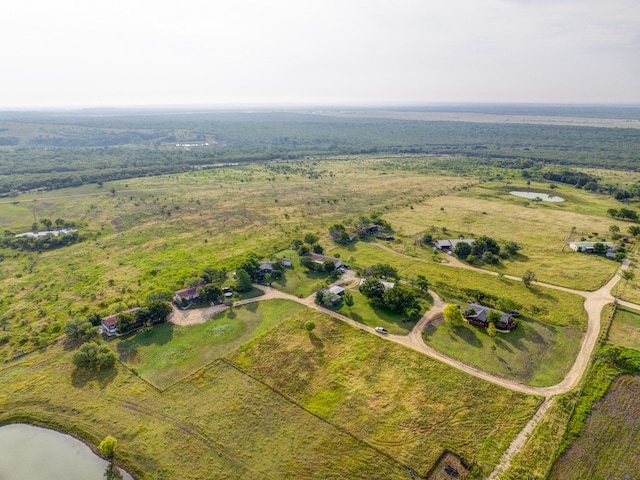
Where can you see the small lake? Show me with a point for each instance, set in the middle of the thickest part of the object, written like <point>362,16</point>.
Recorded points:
<point>533,195</point>
<point>34,453</point>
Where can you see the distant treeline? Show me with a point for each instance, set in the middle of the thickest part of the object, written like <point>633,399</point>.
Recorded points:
<point>48,151</point>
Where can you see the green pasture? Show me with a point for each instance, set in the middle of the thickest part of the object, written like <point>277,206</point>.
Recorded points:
<point>166,353</point>
<point>625,328</point>
<point>541,230</point>
<point>156,233</point>
<point>409,406</point>
<point>535,353</point>
<point>218,424</point>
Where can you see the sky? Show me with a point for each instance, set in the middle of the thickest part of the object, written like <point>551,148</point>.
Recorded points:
<point>80,53</point>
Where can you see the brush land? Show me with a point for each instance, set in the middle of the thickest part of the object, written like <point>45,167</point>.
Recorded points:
<point>158,199</point>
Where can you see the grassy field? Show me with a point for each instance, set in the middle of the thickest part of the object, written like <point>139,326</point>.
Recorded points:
<point>489,209</point>
<point>407,405</point>
<point>534,353</point>
<point>158,232</point>
<point>609,445</point>
<point>373,407</point>
<point>220,424</point>
<point>625,328</point>
<point>296,279</point>
<point>537,455</point>
<point>166,353</point>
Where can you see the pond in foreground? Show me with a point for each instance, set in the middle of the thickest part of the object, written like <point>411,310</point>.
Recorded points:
<point>542,196</point>
<point>33,453</point>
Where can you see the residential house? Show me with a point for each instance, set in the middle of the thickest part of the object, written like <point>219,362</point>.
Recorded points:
<point>109,324</point>
<point>336,290</point>
<point>318,258</point>
<point>476,314</point>
<point>589,247</point>
<point>449,245</point>
<point>189,294</point>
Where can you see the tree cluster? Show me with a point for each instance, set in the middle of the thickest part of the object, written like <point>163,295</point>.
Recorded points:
<point>94,356</point>
<point>152,313</point>
<point>400,298</point>
<point>624,214</point>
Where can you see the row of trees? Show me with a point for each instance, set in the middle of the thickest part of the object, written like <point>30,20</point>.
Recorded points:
<point>624,214</point>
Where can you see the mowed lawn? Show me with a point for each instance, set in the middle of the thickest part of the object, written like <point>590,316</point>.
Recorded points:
<point>609,445</point>
<point>535,353</point>
<point>404,403</point>
<point>625,328</point>
<point>166,353</point>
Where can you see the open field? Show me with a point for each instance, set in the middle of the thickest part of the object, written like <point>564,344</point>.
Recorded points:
<point>166,353</point>
<point>219,424</point>
<point>409,406</point>
<point>625,328</point>
<point>609,445</point>
<point>382,394</point>
<point>534,353</point>
<point>489,209</point>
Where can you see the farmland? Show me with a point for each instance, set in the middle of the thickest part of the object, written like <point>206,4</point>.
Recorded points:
<point>608,445</point>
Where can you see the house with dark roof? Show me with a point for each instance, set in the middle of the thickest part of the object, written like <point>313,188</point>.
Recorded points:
<point>189,294</point>
<point>477,314</point>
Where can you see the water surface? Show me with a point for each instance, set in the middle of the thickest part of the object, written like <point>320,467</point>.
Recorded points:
<point>34,453</point>
<point>542,196</point>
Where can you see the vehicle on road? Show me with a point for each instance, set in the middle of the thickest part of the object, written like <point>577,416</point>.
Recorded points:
<point>381,330</point>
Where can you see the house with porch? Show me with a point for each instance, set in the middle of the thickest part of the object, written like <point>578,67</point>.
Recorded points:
<point>477,314</point>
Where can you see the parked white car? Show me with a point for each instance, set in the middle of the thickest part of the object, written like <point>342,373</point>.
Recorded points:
<point>381,330</point>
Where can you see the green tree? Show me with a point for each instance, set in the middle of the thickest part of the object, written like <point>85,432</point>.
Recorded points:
<point>491,329</point>
<point>348,299</point>
<point>310,238</point>
<point>80,330</point>
<point>528,278</point>
<point>244,282</point>
<point>494,316</point>
<point>158,311</point>
<point>422,283</point>
<point>627,275</point>
<point>309,326</point>
<point>92,356</point>
<point>453,315</point>
<point>309,264</point>
<point>108,446</point>
<point>373,289</point>
<point>210,293</point>
<point>385,270</point>
<point>400,298</point>
<point>127,321</point>
<point>462,250</point>
<point>599,248</point>
<point>112,472</point>
<point>507,305</point>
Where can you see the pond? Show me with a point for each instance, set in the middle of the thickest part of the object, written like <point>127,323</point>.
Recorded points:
<point>543,196</point>
<point>34,453</point>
